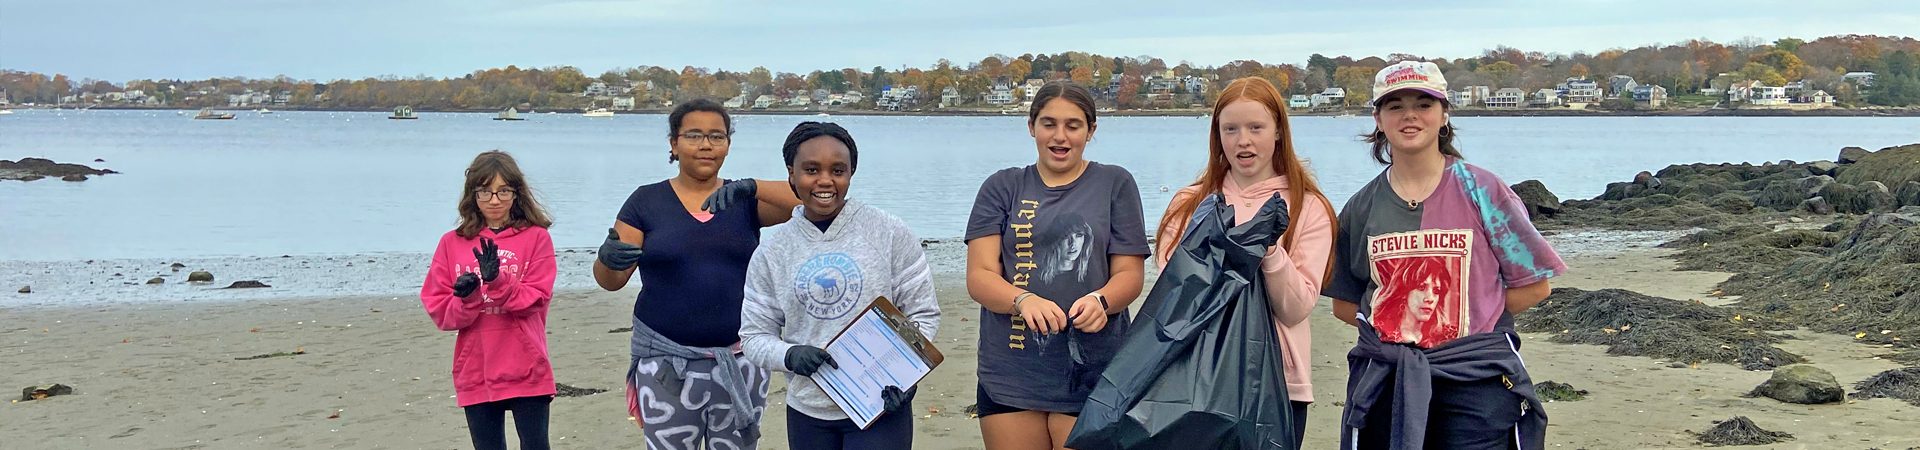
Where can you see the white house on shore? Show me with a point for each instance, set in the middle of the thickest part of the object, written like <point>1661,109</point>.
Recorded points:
<point>1506,98</point>
<point>1581,90</point>
<point>1334,97</point>
<point>1299,101</point>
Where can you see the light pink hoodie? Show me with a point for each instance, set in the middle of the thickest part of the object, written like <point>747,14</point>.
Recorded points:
<point>501,352</point>
<point>1292,277</point>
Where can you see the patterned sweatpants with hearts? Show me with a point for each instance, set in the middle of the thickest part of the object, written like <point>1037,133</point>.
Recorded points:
<point>689,411</point>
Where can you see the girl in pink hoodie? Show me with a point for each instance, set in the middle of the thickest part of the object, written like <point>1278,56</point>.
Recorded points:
<point>491,280</point>
<point>1250,160</point>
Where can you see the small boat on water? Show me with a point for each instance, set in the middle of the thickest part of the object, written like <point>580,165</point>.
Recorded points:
<point>598,112</point>
<point>6,112</point>
<point>210,114</point>
<point>403,113</point>
<point>265,111</point>
<point>508,114</point>
<point>823,115</point>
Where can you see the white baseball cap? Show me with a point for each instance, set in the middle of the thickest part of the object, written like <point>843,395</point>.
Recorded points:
<point>1421,75</point>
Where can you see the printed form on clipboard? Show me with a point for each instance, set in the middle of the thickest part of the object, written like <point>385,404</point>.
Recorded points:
<point>879,348</point>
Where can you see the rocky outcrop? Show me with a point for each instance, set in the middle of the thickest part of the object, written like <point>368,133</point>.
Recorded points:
<point>1539,201</point>
<point>30,169</point>
<point>1852,155</point>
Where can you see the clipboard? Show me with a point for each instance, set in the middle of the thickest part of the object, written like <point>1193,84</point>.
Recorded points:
<point>878,348</point>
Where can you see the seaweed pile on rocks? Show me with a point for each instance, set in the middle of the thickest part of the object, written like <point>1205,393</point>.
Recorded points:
<point>1634,324</point>
<point>1713,195</point>
<point>1826,243</point>
<point>1866,285</point>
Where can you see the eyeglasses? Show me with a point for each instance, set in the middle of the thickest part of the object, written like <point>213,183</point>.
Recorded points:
<point>695,138</point>
<point>503,194</point>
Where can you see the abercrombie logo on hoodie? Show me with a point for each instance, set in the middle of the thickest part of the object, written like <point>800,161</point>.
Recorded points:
<point>509,266</point>
<point>1023,264</point>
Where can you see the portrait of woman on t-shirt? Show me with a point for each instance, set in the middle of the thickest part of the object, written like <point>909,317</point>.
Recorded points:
<point>1420,302</point>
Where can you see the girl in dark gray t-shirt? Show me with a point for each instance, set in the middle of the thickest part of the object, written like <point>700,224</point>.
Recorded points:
<point>1055,253</point>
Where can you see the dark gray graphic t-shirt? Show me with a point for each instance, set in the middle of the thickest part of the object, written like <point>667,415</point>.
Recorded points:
<point>1054,241</point>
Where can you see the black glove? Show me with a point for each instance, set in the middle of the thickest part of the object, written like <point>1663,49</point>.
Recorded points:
<point>464,286</point>
<point>488,258</point>
<point>805,360</point>
<point>730,193</point>
<point>618,255</point>
<point>1266,226</point>
<point>1276,208</point>
<point>893,399</point>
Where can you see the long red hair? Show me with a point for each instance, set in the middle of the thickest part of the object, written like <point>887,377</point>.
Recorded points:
<point>1286,162</point>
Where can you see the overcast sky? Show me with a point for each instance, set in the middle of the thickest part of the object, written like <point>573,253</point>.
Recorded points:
<point>120,40</point>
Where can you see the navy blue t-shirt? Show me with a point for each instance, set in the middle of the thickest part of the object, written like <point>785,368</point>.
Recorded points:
<point>693,274</point>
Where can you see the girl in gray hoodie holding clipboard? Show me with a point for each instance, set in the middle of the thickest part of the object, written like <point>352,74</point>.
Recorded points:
<point>814,274</point>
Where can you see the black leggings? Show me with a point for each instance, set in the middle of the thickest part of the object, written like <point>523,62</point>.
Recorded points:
<point>487,422</point>
<point>892,430</point>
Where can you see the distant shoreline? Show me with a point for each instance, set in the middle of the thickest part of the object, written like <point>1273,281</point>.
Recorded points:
<point>1472,112</point>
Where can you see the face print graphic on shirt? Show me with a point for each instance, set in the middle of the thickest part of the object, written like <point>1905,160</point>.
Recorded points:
<point>1422,295</point>
<point>1065,253</point>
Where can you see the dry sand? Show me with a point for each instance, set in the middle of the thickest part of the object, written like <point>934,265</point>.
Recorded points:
<point>163,375</point>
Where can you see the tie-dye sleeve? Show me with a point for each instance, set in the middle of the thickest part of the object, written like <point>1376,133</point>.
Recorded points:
<point>1525,256</point>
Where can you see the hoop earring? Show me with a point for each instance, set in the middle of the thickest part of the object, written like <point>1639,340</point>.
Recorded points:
<point>1446,130</point>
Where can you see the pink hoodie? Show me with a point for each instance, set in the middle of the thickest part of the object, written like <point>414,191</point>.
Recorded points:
<point>1292,277</point>
<point>501,352</point>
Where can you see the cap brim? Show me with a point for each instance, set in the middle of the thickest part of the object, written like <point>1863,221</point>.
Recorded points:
<point>1436,94</point>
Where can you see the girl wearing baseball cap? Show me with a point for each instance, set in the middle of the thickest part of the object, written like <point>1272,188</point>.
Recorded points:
<point>1437,362</point>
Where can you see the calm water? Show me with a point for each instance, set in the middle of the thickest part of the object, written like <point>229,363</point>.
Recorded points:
<point>318,183</point>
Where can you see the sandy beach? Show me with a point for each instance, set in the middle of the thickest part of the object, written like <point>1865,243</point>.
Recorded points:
<point>375,375</point>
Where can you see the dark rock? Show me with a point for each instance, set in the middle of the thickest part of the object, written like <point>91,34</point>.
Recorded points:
<point>1908,194</point>
<point>1816,205</point>
<point>1646,179</point>
<point>200,276</point>
<point>99,160</point>
<point>1875,186</point>
<point>157,280</point>
<point>247,284</point>
<point>1803,384</point>
<point>1781,195</point>
<point>1821,167</point>
<point>1852,155</point>
<point>1851,199</point>
<point>31,393</point>
<point>1539,201</point>
<point>26,289</point>
<point>31,178</point>
<point>178,266</point>
<point>1731,203</point>
<point>74,178</point>
<point>1812,185</point>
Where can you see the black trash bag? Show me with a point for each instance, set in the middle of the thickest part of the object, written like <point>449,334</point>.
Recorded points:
<point>1201,366</point>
